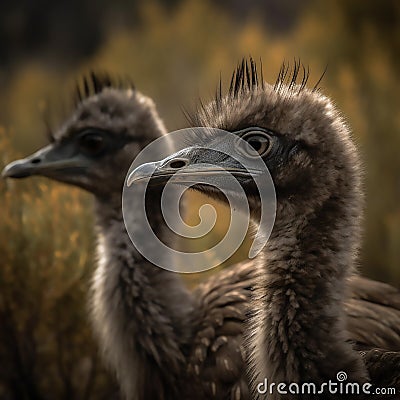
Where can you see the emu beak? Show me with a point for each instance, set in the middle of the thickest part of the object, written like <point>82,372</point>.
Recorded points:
<point>181,167</point>
<point>46,162</point>
<point>158,172</point>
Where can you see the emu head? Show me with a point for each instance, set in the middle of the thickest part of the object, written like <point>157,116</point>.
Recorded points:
<point>299,135</point>
<point>95,146</point>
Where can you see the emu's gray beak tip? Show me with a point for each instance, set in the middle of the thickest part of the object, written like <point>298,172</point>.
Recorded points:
<point>141,173</point>
<point>16,169</point>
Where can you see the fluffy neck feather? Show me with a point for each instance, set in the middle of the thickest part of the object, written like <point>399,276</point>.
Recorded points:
<point>140,312</point>
<point>298,331</point>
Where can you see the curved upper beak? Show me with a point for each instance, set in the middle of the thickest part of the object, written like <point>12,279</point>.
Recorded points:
<point>142,173</point>
<point>46,162</point>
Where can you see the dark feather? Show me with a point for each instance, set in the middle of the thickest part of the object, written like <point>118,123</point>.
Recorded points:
<point>244,78</point>
<point>316,86</point>
<point>382,367</point>
<point>49,132</point>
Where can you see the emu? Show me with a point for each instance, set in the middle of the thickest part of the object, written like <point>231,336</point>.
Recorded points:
<point>141,328</point>
<point>297,332</point>
<point>162,341</point>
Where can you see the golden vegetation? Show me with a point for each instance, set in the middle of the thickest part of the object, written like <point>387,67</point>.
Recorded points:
<point>46,262</point>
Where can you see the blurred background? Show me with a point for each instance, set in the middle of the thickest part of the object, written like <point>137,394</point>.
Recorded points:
<point>174,51</point>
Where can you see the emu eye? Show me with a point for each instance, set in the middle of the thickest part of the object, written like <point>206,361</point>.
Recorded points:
<point>91,143</point>
<point>260,142</point>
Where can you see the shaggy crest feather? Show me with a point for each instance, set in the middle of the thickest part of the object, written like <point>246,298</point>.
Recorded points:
<point>86,86</point>
<point>95,82</point>
<point>247,78</point>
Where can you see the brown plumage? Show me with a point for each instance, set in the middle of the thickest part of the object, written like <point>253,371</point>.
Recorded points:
<point>299,330</point>
<point>218,352</point>
<point>162,342</point>
<point>373,316</point>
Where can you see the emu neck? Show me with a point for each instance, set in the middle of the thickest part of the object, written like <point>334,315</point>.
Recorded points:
<point>140,311</point>
<point>299,333</point>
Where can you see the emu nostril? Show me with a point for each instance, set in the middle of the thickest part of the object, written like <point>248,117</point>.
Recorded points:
<point>36,161</point>
<point>176,164</point>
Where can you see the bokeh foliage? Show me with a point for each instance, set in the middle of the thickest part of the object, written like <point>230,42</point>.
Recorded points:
<point>46,350</point>
<point>173,54</point>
